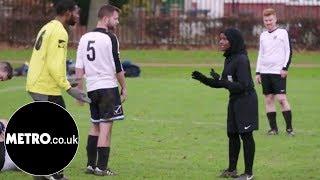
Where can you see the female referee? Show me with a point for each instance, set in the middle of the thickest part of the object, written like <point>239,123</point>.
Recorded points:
<point>242,118</point>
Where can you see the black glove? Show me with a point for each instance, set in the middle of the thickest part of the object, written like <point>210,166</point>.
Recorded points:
<point>214,74</point>
<point>207,81</point>
<point>198,76</point>
<point>79,95</point>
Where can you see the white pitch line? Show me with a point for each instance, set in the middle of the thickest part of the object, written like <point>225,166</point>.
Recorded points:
<point>11,89</point>
<point>178,122</point>
<point>82,115</point>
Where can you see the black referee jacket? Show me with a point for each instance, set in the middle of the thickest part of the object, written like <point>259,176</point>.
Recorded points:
<point>236,74</point>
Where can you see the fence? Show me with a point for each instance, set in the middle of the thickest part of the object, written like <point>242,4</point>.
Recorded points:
<point>176,23</point>
<point>21,19</point>
<point>198,22</point>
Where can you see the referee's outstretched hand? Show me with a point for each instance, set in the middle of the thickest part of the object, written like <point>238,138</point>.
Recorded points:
<point>198,75</point>
<point>214,74</point>
<point>79,95</point>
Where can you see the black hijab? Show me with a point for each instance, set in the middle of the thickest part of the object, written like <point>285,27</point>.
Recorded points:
<point>236,41</point>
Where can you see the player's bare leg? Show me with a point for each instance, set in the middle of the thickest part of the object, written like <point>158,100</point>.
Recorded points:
<point>283,101</point>
<point>270,103</point>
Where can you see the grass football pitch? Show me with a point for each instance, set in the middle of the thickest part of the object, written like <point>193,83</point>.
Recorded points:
<point>175,128</point>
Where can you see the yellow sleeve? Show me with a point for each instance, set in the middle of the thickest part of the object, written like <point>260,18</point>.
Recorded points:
<point>56,58</point>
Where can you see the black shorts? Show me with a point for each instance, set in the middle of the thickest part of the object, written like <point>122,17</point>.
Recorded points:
<point>273,84</point>
<point>243,113</point>
<point>42,97</point>
<point>106,105</point>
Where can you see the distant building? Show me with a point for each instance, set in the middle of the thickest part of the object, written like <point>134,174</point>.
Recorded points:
<point>209,8</point>
<point>286,9</point>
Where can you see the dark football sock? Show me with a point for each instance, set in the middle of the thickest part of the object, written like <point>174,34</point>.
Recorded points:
<point>272,120</point>
<point>92,150</point>
<point>234,149</point>
<point>248,150</point>
<point>288,118</point>
<point>103,157</point>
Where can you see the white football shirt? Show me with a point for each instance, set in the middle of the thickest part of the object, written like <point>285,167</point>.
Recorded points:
<point>8,163</point>
<point>98,55</point>
<point>274,52</point>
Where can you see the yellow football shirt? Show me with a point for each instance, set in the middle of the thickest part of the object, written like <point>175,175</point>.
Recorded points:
<point>47,68</point>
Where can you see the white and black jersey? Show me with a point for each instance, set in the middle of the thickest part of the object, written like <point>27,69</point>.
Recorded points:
<point>5,162</point>
<point>98,55</point>
<point>274,52</point>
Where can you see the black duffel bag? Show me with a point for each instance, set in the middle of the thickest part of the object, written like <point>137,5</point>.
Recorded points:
<point>131,70</point>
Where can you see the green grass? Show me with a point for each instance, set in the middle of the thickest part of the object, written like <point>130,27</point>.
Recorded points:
<point>168,56</point>
<point>175,128</point>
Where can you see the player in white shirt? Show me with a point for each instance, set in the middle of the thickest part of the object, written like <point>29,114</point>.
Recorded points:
<point>98,61</point>
<point>272,69</point>
<point>5,162</point>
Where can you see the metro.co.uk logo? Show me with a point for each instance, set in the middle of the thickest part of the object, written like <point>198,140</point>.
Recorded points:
<point>41,138</point>
<point>35,138</point>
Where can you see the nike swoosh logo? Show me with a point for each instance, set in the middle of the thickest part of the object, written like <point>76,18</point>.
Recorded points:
<point>118,110</point>
<point>247,127</point>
